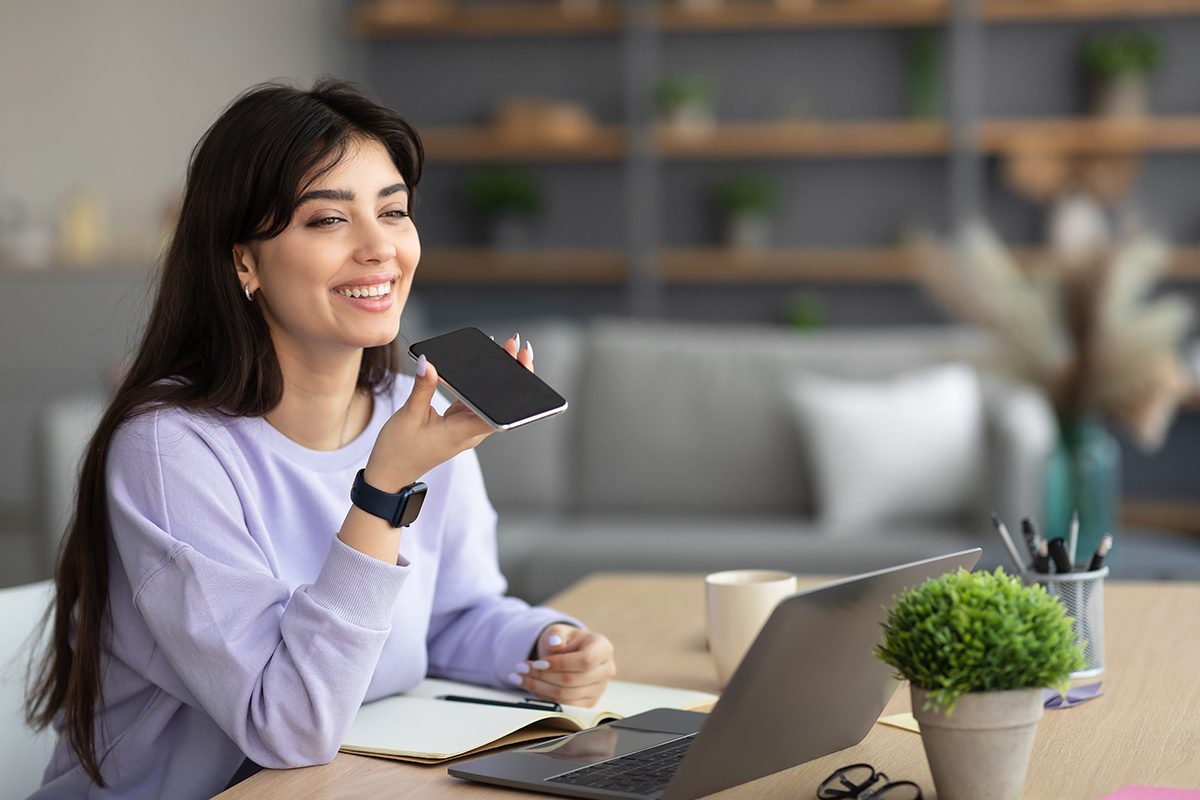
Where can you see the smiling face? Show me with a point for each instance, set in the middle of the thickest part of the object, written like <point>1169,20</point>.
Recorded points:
<point>336,279</point>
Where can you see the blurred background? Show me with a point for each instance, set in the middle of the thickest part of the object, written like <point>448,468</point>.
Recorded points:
<point>721,218</point>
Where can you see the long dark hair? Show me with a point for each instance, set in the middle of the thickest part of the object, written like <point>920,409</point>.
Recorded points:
<point>245,176</point>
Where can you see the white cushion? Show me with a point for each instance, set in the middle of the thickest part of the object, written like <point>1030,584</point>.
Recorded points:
<point>911,446</point>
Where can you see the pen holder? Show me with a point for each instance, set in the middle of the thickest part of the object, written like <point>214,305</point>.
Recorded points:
<point>1082,597</point>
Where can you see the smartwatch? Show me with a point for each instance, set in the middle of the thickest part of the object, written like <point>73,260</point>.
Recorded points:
<point>399,509</point>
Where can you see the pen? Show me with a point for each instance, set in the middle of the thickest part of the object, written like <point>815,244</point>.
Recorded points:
<point>1058,551</point>
<point>531,703</point>
<point>1041,562</point>
<point>1073,541</point>
<point>998,524</point>
<point>1101,551</point>
<point>1031,537</point>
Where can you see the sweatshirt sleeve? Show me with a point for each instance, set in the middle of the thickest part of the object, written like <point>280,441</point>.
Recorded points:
<point>477,634</point>
<point>282,672</point>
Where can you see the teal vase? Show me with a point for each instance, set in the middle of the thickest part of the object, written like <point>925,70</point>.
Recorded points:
<point>1083,473</point>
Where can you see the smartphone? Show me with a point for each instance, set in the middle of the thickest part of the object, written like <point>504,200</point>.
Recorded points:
<point>493,384</point>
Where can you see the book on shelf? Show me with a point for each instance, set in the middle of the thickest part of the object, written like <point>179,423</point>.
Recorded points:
<point>417,726</point>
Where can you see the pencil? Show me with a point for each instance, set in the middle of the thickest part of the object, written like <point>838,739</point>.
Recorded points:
<point>998,524</point>
<point>1073,537</point>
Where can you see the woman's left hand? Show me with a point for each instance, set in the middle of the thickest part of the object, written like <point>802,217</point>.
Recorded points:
<point>572,667</point>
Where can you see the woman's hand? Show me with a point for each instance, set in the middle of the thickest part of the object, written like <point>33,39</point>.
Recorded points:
<point>573,666</point>
<point>417,438</point>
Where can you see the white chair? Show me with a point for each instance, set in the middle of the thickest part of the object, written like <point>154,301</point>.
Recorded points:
<point>24,754</point>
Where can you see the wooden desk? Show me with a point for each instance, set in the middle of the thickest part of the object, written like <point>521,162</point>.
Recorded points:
<point>1144,730</point>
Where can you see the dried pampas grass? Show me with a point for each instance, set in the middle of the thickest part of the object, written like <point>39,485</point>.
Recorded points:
<point>1083,327</point>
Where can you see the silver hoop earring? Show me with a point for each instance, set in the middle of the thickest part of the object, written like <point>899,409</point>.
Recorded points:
<point>249,294</point>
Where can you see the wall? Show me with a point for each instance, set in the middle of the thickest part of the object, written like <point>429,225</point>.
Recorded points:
<point>113,95</point>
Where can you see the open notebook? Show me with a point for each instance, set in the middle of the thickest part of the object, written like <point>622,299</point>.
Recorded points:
<point>416,726</point>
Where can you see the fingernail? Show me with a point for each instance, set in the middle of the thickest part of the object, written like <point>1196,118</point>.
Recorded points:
<point>554,640</point>
<point>523,668</point>
<point>541,663</point>
<point>422,362</point>
<point>514,679</point>
<point>529,347</point>
<point>517,336</point>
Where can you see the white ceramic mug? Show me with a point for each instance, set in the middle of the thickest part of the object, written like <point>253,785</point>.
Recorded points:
<point>738,604</point>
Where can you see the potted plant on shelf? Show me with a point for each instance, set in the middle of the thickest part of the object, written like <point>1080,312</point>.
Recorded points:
<point>686,104</point>
<point>506,201</point>
<point>978,649</point>
<point>1118,67</point>
<point>746,203</point>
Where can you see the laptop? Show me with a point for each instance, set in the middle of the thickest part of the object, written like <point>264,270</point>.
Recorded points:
<point>808,686</point>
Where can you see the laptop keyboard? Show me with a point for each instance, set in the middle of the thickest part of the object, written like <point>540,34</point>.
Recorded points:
<point>644,772</point>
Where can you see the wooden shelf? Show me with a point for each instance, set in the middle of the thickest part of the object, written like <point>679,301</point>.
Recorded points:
<point>1064,10</point>
<point>1185,262</point>
<point>1181,516</point>
<point>483,144</point>
<point>418,18</point>
<point>478,265</point>
<point>814,138</point>
<point>706,265</point>
<point>719,265</point>
<point>1084,135</point>
<point>807,138</point>
<point>758,14</point>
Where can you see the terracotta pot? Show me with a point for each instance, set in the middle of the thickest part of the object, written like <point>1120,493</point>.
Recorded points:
<point>981,751</point>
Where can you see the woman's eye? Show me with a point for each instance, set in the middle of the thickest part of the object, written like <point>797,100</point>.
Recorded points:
<point>324,222</point>
<point>398,213</point>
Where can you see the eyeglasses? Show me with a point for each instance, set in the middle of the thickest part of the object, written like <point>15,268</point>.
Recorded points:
<point>862,782</point>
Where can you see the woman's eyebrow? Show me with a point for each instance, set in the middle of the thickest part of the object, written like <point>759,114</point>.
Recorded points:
<point>346,195</point>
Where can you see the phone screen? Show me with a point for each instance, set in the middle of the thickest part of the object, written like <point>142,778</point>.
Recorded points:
<point>493,383</point>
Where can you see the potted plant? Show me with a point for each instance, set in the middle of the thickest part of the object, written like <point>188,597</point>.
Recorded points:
<point>506,201</point>
<point>686,103</point>
<point>746,203</point>
<point>978,649</point>
<point>1119,65</point>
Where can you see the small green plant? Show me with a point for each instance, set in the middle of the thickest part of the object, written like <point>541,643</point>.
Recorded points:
<point>746,194</point>
<point>978,632</point>
<point>503,190</point>
<point>1110,55</point>
<point>678,92</point>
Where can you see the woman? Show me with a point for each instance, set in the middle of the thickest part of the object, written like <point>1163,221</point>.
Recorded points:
<point>221,603</point>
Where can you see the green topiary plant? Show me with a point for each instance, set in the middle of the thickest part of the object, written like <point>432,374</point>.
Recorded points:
<point>746,194</point>
<point>1109,55</point>
<point>503,190</point>
<point>978,632</point>
<point>675,93</point>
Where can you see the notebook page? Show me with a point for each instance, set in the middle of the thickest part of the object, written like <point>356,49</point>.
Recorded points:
<point>417,725</point>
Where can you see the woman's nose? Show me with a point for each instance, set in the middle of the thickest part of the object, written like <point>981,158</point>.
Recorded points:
<point>374,245</point>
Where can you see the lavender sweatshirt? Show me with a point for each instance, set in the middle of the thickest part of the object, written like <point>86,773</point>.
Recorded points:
<point>242,627</point>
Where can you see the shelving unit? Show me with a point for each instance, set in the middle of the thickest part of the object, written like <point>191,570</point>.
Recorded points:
<point>643,148</point>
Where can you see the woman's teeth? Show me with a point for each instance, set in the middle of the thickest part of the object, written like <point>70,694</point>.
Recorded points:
<point>378,290</point>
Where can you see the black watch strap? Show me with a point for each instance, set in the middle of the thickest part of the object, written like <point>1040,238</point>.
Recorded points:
<point>399,509</point>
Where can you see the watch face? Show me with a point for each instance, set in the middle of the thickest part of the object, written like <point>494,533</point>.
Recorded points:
<point>412,504</point>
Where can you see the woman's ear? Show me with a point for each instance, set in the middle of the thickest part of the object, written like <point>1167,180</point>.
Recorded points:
<point>245,264</point>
